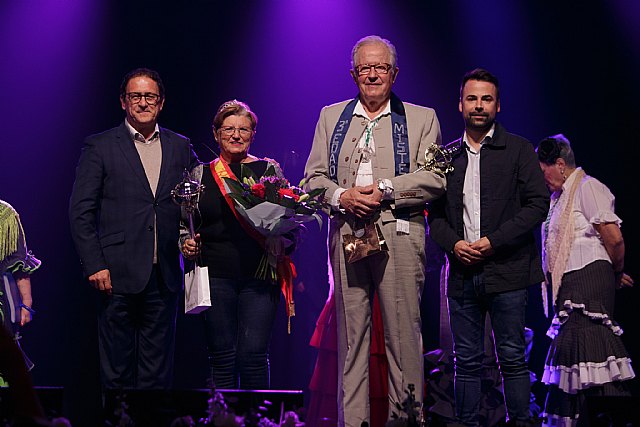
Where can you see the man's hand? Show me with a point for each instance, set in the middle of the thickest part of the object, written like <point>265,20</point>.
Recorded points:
<point>483,246</point>
<point>374,193</point>
<point>101,281</point>
<point>467,254</point>
<point>361,201</point>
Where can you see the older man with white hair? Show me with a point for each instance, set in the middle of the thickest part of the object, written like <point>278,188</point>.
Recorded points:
<point>369,152</point>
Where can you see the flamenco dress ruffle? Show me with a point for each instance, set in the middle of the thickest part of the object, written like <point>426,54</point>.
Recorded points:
<point>587,356</point>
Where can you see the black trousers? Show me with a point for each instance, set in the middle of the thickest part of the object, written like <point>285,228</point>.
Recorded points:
<point>137,337</point>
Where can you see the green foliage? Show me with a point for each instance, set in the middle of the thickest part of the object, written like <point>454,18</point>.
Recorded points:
<point>246,172</point>
<point>271,171</point>
<point>271,192</point>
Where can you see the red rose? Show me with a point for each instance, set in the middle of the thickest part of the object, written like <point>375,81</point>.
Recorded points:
<point>258,190</point>
<point>288,192</point>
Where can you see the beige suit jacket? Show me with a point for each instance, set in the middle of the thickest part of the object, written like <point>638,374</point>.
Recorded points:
<point>410,190</point>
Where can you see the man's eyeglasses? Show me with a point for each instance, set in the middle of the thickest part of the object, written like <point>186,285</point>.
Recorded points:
<point>150,98</point>
<point>365,69</point>
<point>230,130</point>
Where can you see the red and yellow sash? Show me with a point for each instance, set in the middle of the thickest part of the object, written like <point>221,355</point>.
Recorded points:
<point>285,270</point>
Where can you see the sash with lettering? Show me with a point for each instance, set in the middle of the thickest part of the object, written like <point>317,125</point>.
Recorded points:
<point>399,133</point>
<point>285,270</point>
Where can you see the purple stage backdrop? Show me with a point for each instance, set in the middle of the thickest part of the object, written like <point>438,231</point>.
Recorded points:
<point>563,67</point>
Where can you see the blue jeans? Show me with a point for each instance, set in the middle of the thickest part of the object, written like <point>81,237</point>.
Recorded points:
<point>467,316</point>
<point>238,331</point>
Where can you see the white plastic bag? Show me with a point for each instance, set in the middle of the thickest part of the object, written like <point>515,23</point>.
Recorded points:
<point>196,290</point>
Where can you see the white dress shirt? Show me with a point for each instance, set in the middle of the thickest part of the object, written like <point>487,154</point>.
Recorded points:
<point>471,190</point>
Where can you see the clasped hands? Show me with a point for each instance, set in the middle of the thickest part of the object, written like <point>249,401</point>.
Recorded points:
<point>362,202</point>
<point>473,253</point>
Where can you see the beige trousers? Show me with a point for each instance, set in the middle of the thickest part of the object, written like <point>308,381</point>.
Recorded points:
<point>398,277</point>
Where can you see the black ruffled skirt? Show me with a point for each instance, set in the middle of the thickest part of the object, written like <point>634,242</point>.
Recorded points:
<point>587,356</point>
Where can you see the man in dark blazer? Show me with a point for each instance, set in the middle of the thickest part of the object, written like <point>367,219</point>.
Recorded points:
<point>496,197</point>
<point>125,228</point>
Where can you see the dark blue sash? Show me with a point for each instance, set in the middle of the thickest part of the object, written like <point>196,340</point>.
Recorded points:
<point>398,127</point>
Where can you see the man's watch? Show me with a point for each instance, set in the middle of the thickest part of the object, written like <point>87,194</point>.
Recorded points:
<point>382,186</point>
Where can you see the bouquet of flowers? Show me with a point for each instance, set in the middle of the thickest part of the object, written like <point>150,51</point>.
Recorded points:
<point>275,209</point>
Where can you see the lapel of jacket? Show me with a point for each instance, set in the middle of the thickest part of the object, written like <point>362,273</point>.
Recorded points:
<point>168,152</point>
<point>455,179</point>
<point>498,139</point>
<point>125,141</point>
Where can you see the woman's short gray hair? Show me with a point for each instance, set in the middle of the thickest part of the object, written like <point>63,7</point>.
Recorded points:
<point>554,147</point>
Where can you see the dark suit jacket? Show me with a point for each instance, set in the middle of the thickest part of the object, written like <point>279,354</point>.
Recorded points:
<point>112,209</point>
<point>514,200</point>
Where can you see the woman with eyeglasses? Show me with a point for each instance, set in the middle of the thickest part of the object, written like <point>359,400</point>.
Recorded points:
<point>583,260</point>
<point>243,308</point>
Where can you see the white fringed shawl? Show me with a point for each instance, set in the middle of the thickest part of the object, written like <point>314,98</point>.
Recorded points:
<point>557,250</point>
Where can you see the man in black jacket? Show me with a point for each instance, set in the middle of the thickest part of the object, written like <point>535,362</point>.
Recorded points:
<point>496,197</point>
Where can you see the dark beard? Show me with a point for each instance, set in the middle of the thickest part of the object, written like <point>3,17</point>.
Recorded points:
<point>471,124</point>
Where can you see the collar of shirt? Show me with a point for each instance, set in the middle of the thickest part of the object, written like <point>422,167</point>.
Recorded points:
<point>566,185</point>
<point>359,111</point>
<point>137,136</point>
<point>486,139</point>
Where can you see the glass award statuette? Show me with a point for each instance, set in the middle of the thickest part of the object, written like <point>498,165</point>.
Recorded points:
<point>186,194</point>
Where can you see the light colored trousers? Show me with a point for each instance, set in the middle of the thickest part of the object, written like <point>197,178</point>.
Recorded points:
<point>398,277</point>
